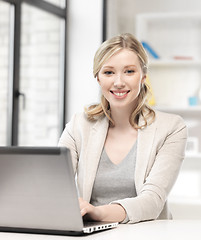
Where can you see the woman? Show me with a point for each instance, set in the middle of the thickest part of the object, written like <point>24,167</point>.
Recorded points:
<point>126,155</point>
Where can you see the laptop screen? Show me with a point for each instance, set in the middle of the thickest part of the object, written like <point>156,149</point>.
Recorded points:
<point>37,189</point>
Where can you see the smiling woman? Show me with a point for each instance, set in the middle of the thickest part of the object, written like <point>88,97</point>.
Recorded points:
<point>108,65</point>
<point>126,155</point>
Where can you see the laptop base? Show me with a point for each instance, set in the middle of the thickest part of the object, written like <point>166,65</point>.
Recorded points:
<point>41,231</point>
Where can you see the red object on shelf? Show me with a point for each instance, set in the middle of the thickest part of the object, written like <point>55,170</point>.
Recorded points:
<point>183,58</point>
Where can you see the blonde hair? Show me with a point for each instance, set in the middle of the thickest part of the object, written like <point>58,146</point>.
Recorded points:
<point>106,51</point>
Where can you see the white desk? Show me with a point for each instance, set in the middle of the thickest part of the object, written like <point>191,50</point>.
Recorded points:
<point>152,230</point>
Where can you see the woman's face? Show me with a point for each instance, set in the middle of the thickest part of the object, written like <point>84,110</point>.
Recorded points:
<point>120,79</point>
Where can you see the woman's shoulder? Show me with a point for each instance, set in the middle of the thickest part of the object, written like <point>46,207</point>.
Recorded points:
<point>80,118</point>
<point>160,115</point>
<point>168,119</point>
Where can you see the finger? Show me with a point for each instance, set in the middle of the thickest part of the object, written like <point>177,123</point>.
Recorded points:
<point>85,208</point>
<point>83,211</point>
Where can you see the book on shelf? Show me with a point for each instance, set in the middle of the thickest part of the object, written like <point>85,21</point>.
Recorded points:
<point>150,50</point>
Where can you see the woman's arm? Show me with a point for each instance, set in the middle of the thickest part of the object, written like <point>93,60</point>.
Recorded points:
<point>161,173</point>
<point>67,140</point>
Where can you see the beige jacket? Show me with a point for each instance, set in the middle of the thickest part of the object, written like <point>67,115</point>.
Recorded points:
<point>160,152</point>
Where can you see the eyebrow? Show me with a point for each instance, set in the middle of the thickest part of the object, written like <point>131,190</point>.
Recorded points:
<point>107,67</point>
<point>127,66</point>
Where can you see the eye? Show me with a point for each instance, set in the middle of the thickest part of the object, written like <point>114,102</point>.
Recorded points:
<point>129,71</point>
<point>108,72</point>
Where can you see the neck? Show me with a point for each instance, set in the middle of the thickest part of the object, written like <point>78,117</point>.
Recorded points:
<point>121,118</point>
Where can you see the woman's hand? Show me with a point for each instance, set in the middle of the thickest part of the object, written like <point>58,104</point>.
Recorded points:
<point>112,212</point>
<point>89,211</point>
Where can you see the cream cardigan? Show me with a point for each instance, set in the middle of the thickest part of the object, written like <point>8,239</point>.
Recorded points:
<point>160,152</point>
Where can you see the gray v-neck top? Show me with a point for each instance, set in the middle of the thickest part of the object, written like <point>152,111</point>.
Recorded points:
<point>114,182</point>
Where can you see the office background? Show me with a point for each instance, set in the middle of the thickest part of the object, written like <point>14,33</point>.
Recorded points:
<point>58,39</point>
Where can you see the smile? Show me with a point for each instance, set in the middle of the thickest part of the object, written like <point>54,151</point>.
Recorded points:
<point>120,94</point>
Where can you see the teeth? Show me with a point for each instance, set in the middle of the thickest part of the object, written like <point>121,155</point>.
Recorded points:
<point>120,94</point>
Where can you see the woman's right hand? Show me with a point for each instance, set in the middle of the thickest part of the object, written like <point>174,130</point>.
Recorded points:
<point>111,212</point>
<point>89,211</point>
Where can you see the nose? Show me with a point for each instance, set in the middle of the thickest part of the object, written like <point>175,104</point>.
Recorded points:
<point>119,82</point>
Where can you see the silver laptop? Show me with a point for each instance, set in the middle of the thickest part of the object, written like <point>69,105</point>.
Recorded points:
<point>38,192</point>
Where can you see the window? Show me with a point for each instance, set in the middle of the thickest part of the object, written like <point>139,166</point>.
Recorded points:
<point>39,77</point>
<point>35,96</point>
<point>60,3</point>
<point>4,65</point>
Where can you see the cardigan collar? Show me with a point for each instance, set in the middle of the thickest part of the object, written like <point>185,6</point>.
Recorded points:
<point>96,143</point>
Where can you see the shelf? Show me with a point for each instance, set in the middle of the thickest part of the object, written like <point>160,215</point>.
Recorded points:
<point>196,201</point>
<point>193,156</point>
<point>174,63</point>
<point>174,16</point>
<point>192,109</point>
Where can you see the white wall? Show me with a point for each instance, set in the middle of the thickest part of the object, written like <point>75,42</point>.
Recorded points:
<point>84,37</point>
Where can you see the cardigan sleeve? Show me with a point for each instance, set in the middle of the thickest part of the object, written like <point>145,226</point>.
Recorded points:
<point>161,176</point>
<point>67,140</point>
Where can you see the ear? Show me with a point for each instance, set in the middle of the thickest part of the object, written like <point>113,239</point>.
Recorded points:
<point>97,78</point>
<point>144,78</point>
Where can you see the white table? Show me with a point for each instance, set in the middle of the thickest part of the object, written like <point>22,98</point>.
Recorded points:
<point>156,230</point>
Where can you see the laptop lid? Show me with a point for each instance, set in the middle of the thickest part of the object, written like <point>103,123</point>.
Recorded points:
<point>37,191</point>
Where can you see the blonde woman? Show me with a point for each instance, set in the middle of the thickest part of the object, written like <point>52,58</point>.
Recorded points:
<point>126,155</point>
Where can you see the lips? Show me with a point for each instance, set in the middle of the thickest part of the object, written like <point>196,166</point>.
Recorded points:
<point>120,93</point>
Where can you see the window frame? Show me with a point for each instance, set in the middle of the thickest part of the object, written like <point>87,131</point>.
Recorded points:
<point>14,66</point>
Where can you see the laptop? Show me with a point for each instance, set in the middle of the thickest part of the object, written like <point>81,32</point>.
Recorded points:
<point>38,193</point>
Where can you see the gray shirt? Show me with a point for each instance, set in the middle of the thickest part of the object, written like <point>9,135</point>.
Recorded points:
<point>114,181</point>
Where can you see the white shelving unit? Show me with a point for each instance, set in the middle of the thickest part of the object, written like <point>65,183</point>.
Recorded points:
<point>176,75</point>
<point>179,32</point>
